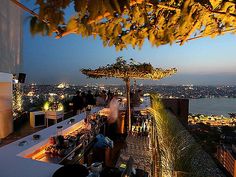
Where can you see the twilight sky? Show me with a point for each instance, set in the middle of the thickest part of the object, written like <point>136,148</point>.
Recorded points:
<point>201,62</point>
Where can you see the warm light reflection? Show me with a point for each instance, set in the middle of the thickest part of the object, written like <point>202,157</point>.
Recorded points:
<point>39,153</point>
<point>104,112</point>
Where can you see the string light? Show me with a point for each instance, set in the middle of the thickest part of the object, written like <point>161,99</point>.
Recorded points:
<point>17,100</point>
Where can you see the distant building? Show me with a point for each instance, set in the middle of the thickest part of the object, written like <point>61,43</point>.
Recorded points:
<point>226,155</point>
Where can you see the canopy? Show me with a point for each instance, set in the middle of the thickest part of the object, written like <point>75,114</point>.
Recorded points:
<point>121,23</point>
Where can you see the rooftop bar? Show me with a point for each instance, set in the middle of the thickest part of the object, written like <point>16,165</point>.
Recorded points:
<point>38,153</point>
<point>16,162</point>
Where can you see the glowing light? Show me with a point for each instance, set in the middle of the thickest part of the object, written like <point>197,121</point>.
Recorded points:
<point>30,93</point>
<point>141,99</point>
<point>49,106</point>
<point>61,85</point>
<point>15,81</point>
<point>60,107</point>
<point>62,97</point>
<point>46,106</point>
<point>146,94</point>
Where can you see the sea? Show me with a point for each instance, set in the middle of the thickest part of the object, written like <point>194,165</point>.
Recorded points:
<point>213,106</point>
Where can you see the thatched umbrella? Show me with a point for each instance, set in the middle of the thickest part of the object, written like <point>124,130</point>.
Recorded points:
<point>126,71</point>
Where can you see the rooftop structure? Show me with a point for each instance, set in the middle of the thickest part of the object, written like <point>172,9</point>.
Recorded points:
<point>11,37</point>
<point>10,60</point>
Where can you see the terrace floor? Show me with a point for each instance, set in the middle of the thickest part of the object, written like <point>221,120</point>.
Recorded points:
<point>24,130</point>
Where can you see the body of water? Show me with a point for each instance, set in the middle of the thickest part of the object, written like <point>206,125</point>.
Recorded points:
<point>217,106</point>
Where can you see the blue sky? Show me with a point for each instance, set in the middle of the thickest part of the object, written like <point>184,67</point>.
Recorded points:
<point>201,62</point>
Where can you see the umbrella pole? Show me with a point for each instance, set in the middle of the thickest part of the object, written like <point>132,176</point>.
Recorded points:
<point>128,109</point>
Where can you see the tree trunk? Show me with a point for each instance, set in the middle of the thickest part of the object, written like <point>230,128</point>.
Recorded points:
<point>127,82</point>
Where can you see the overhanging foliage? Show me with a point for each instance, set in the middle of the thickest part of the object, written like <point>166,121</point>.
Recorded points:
<point>122,23</point>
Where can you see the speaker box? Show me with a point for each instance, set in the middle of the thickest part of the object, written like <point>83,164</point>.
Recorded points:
<point>21,77</point>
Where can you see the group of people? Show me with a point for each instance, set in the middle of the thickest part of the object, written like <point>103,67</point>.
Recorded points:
<point>81,100</point>
<point>135,98</point>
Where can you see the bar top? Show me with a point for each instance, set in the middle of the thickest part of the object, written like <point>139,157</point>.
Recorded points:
<point>13,164</point>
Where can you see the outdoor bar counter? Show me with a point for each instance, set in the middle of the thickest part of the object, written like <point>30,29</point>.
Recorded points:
<point>22,158</point>
<point>12,156</point>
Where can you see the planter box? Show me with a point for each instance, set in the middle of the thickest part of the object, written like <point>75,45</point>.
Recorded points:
<point>54,115</point>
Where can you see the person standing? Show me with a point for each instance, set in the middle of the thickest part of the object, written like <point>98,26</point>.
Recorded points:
<point>112,118</point>
<point>114,110</point>
<point>84,101</point>
<point>77,101</point>
<point>90,98</point>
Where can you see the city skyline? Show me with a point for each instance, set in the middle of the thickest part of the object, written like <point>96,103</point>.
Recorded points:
<point>199,62</point>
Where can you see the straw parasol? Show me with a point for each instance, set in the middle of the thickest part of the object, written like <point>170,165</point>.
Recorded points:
<point>126,71</point>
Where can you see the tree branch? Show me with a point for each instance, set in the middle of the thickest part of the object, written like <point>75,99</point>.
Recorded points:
<point>29,11</point>
<point>190,32</point>
<point>202,36</point>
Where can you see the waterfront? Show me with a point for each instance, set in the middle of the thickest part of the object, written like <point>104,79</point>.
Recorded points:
<point>216,106</point>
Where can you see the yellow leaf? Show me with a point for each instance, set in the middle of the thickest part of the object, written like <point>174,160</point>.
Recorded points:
<point>215,3</point>
<point>72,24</point>
<point>117,30</point>
<point>152,37</point>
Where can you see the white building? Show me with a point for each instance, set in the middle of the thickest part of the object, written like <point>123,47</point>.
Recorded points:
<point>10,60</point>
